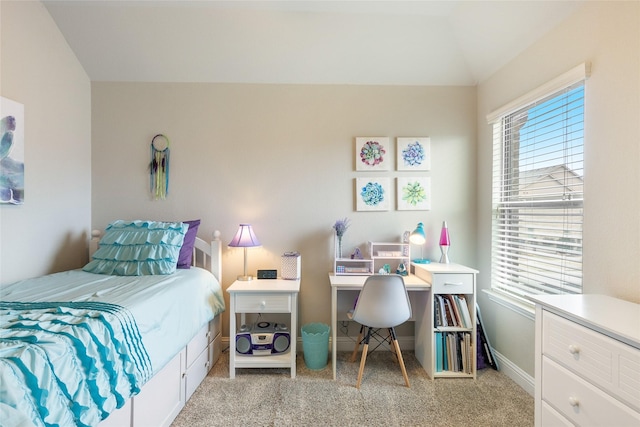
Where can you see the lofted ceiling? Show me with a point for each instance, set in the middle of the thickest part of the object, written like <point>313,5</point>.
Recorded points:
<point>302,42</point>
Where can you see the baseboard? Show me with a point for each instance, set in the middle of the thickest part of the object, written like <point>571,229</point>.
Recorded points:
<point>511,370</point>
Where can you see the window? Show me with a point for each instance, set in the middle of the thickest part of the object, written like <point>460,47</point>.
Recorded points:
<point>538,193</point>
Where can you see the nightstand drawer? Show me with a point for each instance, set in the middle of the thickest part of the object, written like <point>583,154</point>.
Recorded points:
<point>608,363</point>
<point>581,402</point>
<point>452,283</point>
<point>263,303</point>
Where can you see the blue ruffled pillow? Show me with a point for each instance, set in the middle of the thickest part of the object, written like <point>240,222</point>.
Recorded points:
<point>137,248</point>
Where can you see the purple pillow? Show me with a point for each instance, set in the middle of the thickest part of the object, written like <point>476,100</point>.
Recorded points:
<point>186,251</point>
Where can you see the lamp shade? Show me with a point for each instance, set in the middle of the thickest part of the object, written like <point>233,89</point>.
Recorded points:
<point>244,238</point>
<point>418,237</point>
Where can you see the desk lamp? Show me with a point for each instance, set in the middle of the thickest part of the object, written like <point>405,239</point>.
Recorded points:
<point>244,238</point>
<point>445,242</point>
<point>419,237</point>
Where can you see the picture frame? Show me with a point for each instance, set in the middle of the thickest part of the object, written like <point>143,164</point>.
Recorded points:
<point>11,152</point>
<point>372,154</point>
<point>413,193</point>
<point>413,154</point>
<point>372,194</point>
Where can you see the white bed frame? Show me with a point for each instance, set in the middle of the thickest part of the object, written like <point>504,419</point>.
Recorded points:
<point>163,396</point>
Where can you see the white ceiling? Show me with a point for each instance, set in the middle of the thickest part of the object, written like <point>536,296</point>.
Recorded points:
<point>304,42</point>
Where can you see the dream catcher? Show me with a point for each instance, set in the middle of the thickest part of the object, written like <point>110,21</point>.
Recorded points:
<point>159,167</point>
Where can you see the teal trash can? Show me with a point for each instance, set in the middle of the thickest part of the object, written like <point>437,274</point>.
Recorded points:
<point>315,345</point>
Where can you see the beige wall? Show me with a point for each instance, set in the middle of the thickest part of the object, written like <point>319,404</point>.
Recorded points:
<point>48,232</point>
<point>608,35</point>
<point>281,157</point>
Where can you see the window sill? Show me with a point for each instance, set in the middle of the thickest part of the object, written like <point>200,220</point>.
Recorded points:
<point>521,307</point>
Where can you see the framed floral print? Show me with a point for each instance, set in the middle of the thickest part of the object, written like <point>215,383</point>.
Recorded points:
<point>414,154</point>
<point>414,194</point>
<point>372,154</point>
<point>372,194</point>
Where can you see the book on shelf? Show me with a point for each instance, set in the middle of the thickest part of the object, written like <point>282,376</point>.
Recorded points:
<point>453,351</point>
<point>464,311</point>
<point>439,352</point>
<point>483,342</point>
<point>437,314</point>
<point>441,310</point>
<point>453,307</point>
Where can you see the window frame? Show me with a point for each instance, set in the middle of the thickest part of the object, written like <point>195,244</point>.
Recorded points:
<point>552,89</point>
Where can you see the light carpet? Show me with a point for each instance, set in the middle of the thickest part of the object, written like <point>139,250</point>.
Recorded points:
<point>270,397</point>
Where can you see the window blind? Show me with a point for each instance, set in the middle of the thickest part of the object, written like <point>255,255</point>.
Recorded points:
<point>538,180</point>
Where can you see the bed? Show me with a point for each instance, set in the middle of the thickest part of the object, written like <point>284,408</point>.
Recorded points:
<point>124,341</point>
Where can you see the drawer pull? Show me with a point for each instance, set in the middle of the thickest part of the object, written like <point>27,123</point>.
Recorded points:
<point>574,349</point>
<point>453,284</point>
<point>263,304</point>
<point>573,401</point>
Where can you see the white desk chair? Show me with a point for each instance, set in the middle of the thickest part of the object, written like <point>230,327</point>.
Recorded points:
<point>383,304</point>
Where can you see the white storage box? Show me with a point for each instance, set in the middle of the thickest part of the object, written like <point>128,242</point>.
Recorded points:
<point>291,266</point>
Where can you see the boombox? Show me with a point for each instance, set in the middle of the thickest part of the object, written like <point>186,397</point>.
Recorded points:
<point>262,339</point>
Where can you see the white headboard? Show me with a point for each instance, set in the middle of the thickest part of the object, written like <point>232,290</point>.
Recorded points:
<point>211,252</point>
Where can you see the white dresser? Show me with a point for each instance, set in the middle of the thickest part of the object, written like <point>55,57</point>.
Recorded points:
<point>587,367</point>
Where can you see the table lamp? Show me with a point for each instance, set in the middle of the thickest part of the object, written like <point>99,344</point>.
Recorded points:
<point>244,238</point>
<point>419,237</point>
<point>445,242</point>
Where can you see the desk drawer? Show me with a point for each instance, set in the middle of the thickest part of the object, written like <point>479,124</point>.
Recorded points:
<point>608,363</point>
<point>263,303</point>
<point>452,283</point>
<point>581,402</point>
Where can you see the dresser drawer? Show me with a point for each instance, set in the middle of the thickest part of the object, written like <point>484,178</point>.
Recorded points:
<point>606,362</point>
<point>263,303</point>
<point>452,283</point>
<point>581,402</point>
<point>553,418</point>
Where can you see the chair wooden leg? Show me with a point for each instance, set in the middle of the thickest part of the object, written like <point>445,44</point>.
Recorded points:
<point>400,360</point>
<point>392,347</point>
<point>363,358</point>
<point>357,347</point>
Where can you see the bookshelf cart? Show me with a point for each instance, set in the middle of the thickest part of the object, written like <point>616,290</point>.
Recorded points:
<point>447,280</point>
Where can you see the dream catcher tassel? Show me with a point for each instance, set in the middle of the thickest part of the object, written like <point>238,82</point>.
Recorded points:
<point>159,181</point>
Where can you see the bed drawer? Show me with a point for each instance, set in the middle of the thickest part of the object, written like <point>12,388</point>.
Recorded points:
<point>452,283</point>
<point>608,363</point>
<point>197,371</point>
<point>202,339</point>
<point>198,344</point>
<point>581,402</point>
<point>263,303</point>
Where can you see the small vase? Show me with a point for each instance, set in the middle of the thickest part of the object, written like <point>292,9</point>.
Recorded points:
<point>339,248</point>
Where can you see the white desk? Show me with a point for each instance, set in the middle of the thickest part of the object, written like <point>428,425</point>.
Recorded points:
<point>355,283</point>
<point>446,279</point>
<point>263,296</point>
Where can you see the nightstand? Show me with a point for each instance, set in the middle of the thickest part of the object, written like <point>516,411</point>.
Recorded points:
<point>263,296</point>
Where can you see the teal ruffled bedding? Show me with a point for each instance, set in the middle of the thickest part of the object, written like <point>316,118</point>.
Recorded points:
<point>86,382</point>
<point>68,363</point>
<point>136,248</point>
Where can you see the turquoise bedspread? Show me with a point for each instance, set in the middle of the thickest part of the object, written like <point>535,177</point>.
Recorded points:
<point>68,363</point>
